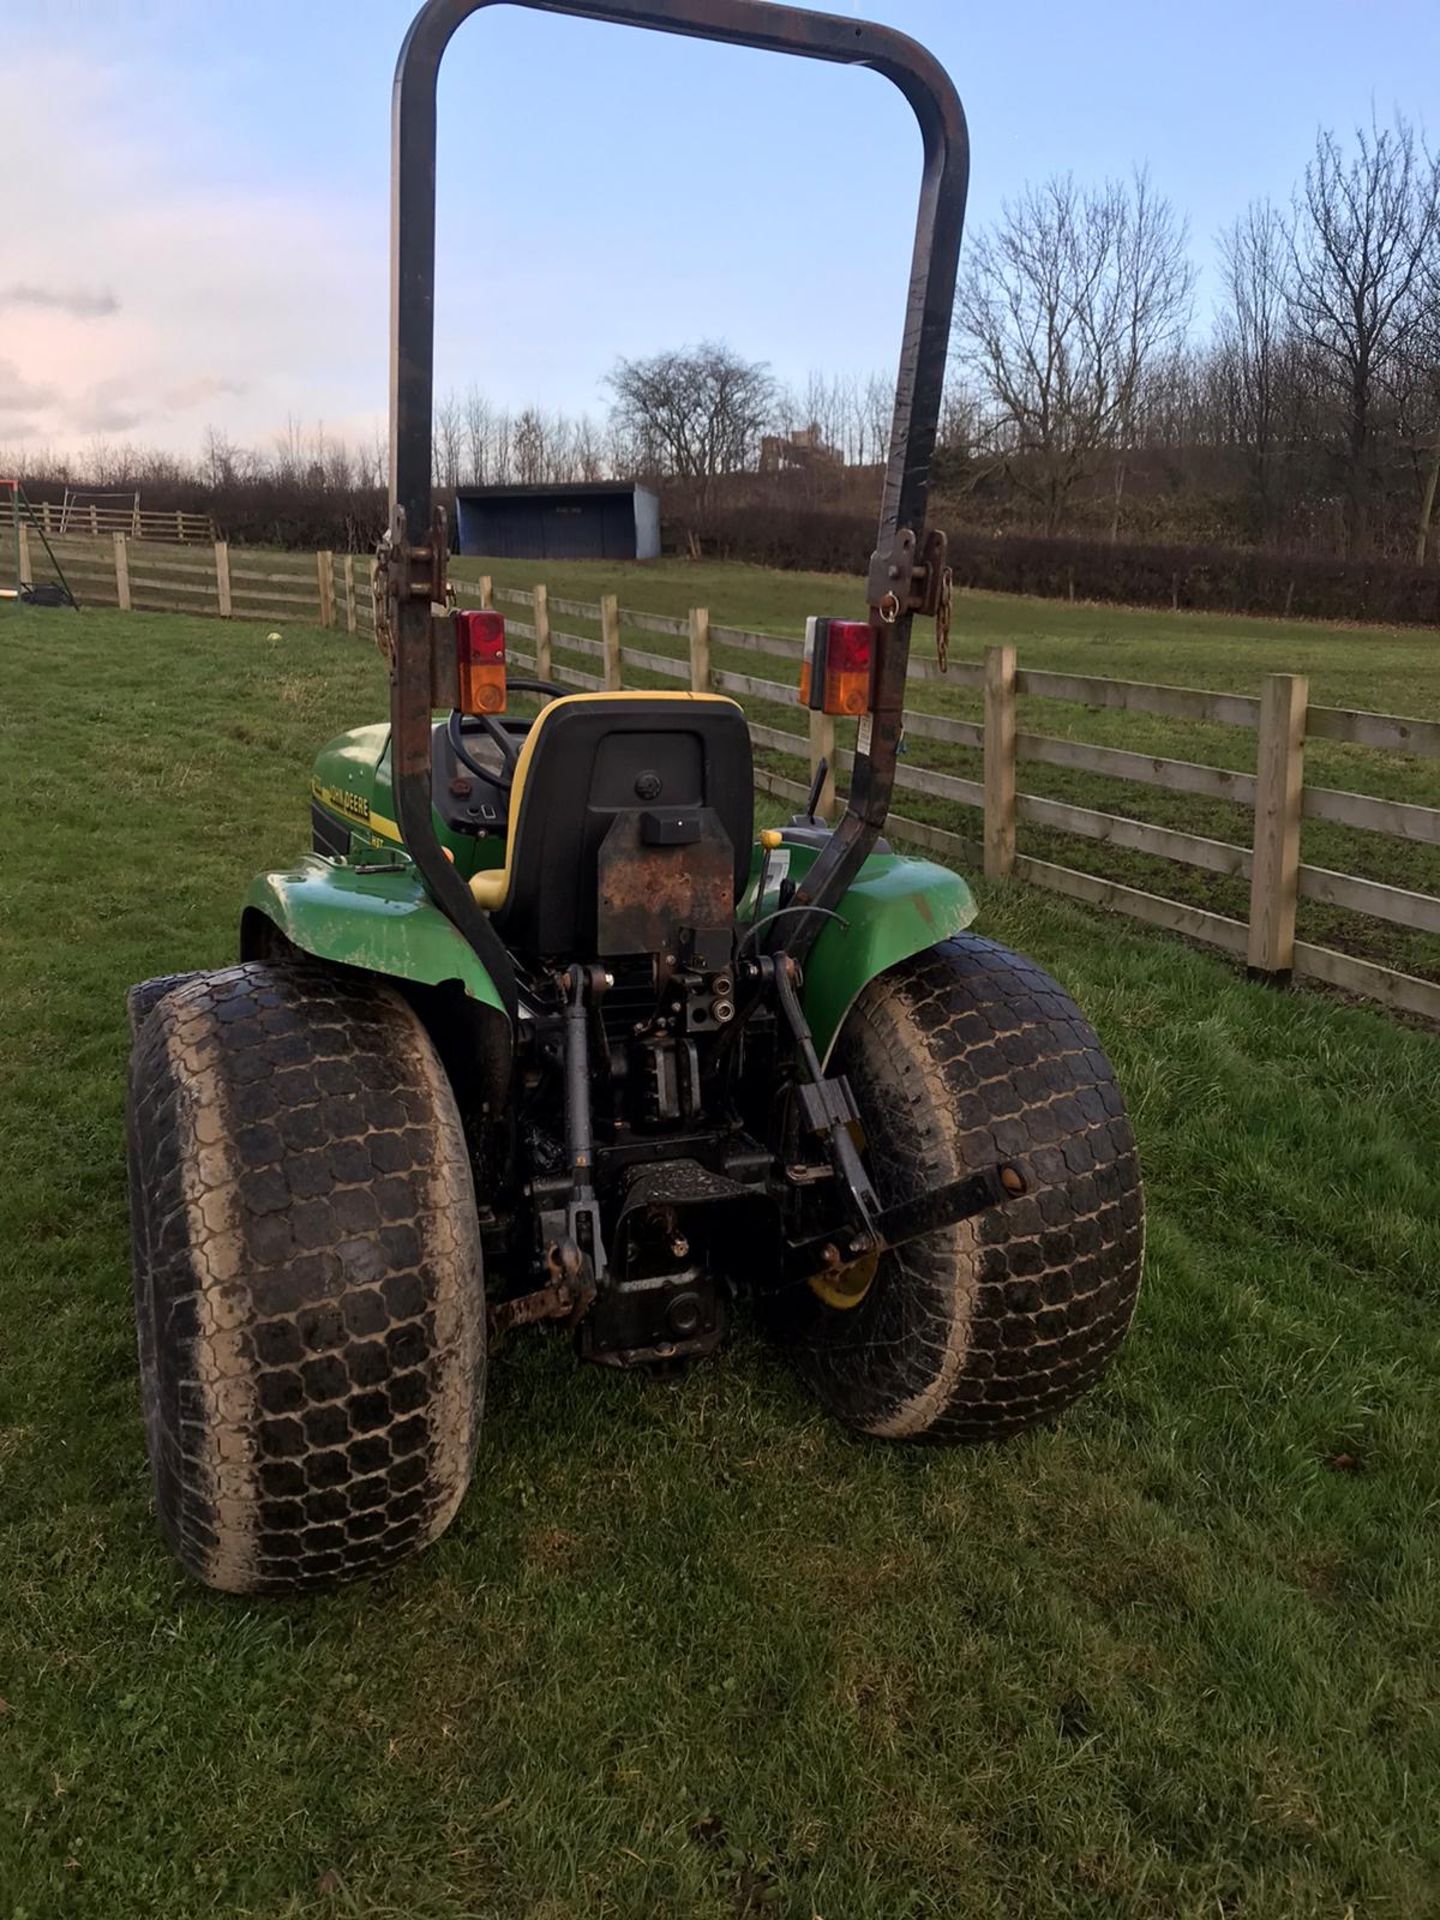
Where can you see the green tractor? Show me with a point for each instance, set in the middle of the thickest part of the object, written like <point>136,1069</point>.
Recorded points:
<point>541,1033</point>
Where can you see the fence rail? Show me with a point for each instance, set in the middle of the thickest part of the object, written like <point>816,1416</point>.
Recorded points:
<point>1282,719</point>
<point>79,518</point>
<point>147,576</point>
<point>339,591</point>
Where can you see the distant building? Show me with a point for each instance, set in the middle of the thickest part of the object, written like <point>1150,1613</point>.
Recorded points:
<point>785,453</point>
<point>592,520</point>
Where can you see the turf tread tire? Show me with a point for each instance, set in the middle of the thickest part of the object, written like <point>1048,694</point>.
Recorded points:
<point>308,1284</point>
<point>143,998</point>
<point>963,1057</point>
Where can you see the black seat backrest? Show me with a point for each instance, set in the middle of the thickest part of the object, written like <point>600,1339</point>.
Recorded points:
<point>594,758</point>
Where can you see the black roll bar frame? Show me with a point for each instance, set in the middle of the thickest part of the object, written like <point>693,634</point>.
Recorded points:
<point>417,549</point>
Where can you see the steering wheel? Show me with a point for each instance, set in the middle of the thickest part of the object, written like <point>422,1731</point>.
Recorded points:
<point>505,740</point>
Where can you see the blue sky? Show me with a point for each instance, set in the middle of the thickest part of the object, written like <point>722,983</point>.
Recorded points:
<point>202,235</point>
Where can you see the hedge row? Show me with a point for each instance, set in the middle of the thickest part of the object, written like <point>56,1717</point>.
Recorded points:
<point>1215,579</point>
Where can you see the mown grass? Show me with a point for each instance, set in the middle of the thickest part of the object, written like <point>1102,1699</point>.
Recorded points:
<point>1388,670</point>
<point>689,1651</point>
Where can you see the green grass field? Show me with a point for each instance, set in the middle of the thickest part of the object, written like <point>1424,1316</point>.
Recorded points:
<point>1387,670</point>
<point>689,1651</point>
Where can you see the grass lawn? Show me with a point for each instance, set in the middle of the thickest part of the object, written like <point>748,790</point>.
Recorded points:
<point>689,1651</point>
<point>1387,670</point>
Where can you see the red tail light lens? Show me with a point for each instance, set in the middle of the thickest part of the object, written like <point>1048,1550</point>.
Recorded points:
<point>836,671</point>
<point>480,660</point>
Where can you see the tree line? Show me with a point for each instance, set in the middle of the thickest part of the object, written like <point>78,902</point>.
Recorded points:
<point>1319,386</point>
<point>1082,400</point>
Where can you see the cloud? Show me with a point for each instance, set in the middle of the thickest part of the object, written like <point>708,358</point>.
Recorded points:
<point>106,408</point>
<point>206,386</point>
<point>81,303</point>
<point>17,395</point>
<point>223,300</point>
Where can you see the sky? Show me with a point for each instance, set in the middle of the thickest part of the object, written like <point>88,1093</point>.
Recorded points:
<point>194,221</point>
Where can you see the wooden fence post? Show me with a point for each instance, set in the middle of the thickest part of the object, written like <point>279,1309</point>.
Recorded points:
<point>1279,778</point>
<point>487,591</point>
<point>325,579</point>
<point>349,577</point>
<point>27,578</point>
<point>999,762</point>
<point>122,574</point>
<point>179,525</point>
<point>822,747</point>
<point>610,640</point>
<point>544,668</point>
<point>700,650</point>
<point>222,577</point>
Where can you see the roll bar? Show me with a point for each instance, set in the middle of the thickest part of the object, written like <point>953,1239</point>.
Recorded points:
<point>904,571</point>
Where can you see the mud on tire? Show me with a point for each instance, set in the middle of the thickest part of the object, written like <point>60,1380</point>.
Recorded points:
<point>963,1057</point>
<point>308,1288</point>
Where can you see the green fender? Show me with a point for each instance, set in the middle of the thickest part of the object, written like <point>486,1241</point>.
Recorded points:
<point>897,907</point>
<point>383,922</point>
<point>386,923</point>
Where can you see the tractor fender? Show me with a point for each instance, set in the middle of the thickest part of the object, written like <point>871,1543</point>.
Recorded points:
<point>896,907</point>
<point>383,923</point>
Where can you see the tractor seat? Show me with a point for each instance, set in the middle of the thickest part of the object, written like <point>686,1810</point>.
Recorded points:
<point>645,765</point>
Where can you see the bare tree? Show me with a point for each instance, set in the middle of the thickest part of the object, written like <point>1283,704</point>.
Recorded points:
<point>1423,407</point>
<point>1064,308</point>
<point>1256,358</point>
<point>878,408</point>
<point>477,436</point>
<point>529,447</point>
<point>589,450</point>
<point>694,413</point>
<point>1366,227</point>
<point>218,458</point>
<point>449,441</point>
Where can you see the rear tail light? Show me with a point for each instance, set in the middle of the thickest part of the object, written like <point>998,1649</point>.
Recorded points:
<point>836,670</point>
<point>480,661</point>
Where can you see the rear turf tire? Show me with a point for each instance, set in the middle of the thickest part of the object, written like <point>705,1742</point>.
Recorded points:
<point>965,1056</point>
<point>308,1290</point>
<point>142,999</point>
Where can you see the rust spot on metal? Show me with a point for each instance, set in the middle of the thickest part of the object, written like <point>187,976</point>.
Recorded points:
<point>567,1298</point>
<point>648,893</point>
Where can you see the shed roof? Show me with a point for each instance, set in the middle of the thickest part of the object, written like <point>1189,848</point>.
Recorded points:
<point>551,489</point>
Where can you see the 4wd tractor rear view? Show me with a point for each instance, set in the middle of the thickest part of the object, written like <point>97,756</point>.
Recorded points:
<point>541,1031</point>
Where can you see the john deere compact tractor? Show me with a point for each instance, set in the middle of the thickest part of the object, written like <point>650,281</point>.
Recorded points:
<point>541,1033</point>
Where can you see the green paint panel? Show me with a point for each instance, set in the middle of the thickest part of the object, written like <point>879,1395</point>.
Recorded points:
<point>351,780</point>
<point>897,906</point>
<point>384,922</point>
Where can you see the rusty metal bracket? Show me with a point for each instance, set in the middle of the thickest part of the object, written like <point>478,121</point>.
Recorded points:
<point>831,1254</point>
<point>901,581</point>
<point>568,1298</point>
<point>406,573</point>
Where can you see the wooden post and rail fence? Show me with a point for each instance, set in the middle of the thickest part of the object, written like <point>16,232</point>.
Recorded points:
<point>338,591</point>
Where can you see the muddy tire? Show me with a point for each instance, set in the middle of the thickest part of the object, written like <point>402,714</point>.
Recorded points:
<point>143,998</point>
<point>963,1057</point>
<point>308,1288</point>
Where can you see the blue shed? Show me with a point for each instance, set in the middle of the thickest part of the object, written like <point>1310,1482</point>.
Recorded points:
<point>591,520</point>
